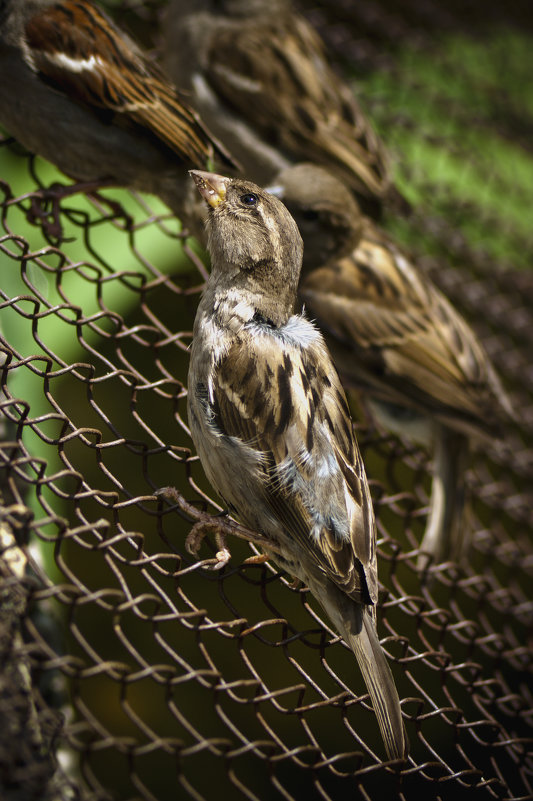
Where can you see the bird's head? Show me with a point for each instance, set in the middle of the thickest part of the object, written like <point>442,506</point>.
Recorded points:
<point>325,210</point>
<point>252,238</point>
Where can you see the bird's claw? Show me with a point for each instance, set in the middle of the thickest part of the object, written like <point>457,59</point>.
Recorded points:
<point>258,559</point>
<point>221,526</point>
<point>194,540</point>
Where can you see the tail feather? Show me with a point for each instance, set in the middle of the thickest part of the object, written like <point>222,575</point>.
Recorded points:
<point>380,685</point>
<point>356,624</point>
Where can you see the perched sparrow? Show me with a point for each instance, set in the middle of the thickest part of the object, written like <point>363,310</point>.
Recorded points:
<point>271,424</point>
<point>260,76</point>
<point>79,92</point>
<point>393,334</point>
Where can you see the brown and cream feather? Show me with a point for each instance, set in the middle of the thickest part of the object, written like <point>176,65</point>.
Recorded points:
<point>262,79</point>
<point>83,95</point>
<point>392,331</point>
<point>271,425</point>
<point>109,72</point>
<point>396,338</point>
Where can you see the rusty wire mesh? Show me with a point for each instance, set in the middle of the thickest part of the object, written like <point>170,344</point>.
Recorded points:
<point>129,671</point>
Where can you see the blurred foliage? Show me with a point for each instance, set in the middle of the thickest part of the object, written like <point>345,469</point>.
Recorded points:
<point>464,131</point>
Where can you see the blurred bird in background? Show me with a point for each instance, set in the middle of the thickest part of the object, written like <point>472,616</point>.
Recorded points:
<point>79,92</point>
<point>395,337</point>
<point>261,78</point>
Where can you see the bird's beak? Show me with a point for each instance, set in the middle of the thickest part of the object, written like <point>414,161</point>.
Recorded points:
<point>211,186</point>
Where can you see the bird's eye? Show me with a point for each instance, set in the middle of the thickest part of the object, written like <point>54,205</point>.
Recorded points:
<point>249,199</point>
<point>310,215</point>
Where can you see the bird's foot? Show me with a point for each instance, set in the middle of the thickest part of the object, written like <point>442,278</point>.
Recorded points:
<point>221,526</point>
<point>198,533</point>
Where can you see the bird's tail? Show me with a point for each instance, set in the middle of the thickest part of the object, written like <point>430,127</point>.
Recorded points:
<point>355,623</point>
<point>446,530</point>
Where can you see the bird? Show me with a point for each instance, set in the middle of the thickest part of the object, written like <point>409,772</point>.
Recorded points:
<point>271,425</point>
<point>79,92</point>
<point>262,79</point>
<point>397,339</point>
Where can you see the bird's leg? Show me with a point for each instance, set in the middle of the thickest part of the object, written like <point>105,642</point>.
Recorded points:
<point>39,212</point>
<point>221,526</point>
<point>446,535</point>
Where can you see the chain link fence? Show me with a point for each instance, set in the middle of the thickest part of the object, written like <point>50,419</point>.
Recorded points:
<point>131,671</point>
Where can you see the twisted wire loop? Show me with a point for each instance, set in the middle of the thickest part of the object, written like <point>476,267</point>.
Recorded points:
<point>130,670</point>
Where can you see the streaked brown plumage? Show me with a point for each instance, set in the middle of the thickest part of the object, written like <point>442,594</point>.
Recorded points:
<point>395,336</point>
<point>83,95</point>
<point>261,78</point>
<point>410,341</point>
<point>272,428</point>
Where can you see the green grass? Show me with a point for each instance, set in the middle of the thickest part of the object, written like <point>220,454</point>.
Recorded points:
<point>469,106</point>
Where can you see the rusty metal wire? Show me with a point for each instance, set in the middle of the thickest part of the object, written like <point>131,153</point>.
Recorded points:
<point>131,671</point>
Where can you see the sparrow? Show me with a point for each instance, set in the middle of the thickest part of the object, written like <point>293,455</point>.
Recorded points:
<point>271,425</point>
<point>397,339</point>
<point>261,78</point>
<point>79,92</point>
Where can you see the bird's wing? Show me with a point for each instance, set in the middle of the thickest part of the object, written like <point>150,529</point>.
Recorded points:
<point>276,75</point>
<point>387,321</point>
<point>79,50</point>
<point>286,401</point>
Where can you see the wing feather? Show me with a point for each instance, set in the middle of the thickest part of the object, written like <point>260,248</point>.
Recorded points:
<point>389,328</point>
<point>292,409</point>
<point>275,73</point>
<point>78,49</point>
